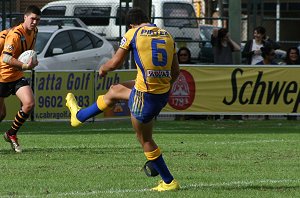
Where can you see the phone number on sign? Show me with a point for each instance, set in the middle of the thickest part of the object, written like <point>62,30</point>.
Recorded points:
<point>59,101</point>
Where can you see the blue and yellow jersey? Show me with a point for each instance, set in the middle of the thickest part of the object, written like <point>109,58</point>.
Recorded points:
<point>153,50</point>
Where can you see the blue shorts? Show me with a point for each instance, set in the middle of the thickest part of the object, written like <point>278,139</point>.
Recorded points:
<point>145,106</point>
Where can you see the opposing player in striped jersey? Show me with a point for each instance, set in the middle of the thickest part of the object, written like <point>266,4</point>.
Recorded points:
<point>157,68</point>
<point>3,35</point>
<point>12,80</point>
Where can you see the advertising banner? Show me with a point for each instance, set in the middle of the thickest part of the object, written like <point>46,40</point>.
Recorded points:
<point>268,89</point>
<point>51,89</point>
<point>198,90</point>
<point>13,104</point>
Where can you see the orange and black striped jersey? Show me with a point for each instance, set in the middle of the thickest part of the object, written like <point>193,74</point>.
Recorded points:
<point>3,35</point>
<point>16,42</point>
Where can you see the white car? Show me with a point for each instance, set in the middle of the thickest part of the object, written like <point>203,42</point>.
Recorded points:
<point>71,48</point>
<point>74,22</point>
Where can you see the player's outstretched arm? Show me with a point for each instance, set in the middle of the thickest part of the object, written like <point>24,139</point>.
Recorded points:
<point>114,63</point>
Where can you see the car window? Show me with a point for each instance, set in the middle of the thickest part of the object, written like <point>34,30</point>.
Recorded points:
<point>41,41</point>
<point>98,42</point>
<point>207,31</point>
<point>55,10</point>
<point>183,11</point>
<point>73,22</point>
<point>61,40</point>
<point>81,40</point>
<point>63,22</point>
<point>98,16</point>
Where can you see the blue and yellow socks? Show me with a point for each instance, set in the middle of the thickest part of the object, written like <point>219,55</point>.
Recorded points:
<point>96,108</point>
<point>159,164</point>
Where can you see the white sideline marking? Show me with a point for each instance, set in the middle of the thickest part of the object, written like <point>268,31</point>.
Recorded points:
<point>252,141</point>
<point>242,183</point>
<point>84,130</point>
<point>200,185</point>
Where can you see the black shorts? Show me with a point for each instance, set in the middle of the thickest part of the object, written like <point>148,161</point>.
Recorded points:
<point>10,88</point>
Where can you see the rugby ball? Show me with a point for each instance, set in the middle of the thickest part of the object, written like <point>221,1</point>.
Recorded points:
<point>25,56</point>
<point>150,170</point>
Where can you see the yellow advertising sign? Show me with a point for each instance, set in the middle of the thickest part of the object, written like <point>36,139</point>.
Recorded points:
<point>12,103</point>
<point>51,89</point>
<point>198,89</point>
<point>236,89</point>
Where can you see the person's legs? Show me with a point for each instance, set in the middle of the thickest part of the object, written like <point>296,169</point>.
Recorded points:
<point>2,109</point>
<point>25,95</point>
<point>116,92</point>
<point>144,134</point>
<point>143,108</point>
<point>4,92</point>
<point>153,154</point>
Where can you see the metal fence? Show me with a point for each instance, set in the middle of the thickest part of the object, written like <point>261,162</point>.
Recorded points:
<point>280,18</point>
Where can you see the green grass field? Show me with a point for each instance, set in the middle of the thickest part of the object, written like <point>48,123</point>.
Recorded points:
<point>104,159</point>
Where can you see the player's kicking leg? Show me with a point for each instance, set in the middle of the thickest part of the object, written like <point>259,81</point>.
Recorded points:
<point>80,115</point>
<point>74,108</point>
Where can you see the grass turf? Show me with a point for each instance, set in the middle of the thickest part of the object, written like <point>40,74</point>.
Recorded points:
<point>104,159</point>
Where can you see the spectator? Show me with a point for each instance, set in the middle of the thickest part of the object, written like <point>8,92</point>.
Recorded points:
<point>292,58</point>
<point>223,46</point>
<point>252,51</point>
<point>184,56</point>
<point>268,55</point>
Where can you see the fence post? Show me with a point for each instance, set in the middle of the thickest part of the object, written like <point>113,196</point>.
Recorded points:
<point>235,26</point>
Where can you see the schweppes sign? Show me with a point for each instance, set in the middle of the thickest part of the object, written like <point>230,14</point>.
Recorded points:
<point>254,89</point>
<point>262,90</point>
